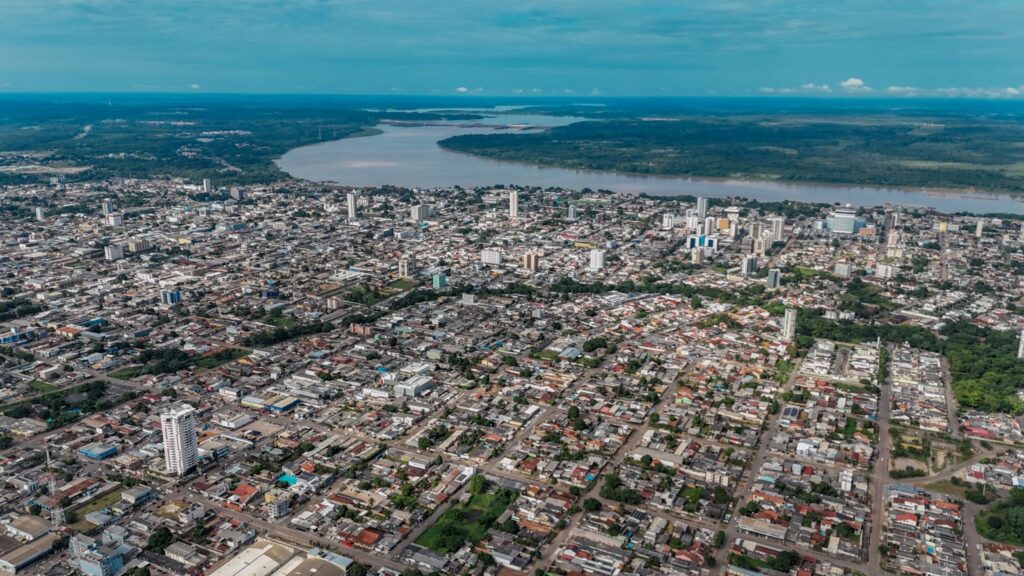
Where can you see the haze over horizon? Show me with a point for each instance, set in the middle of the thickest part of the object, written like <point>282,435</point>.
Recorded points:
<point>868,48</point>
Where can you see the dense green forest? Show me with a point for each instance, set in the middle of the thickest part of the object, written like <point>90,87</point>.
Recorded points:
<point>883,149</point>
<point>230,140</point>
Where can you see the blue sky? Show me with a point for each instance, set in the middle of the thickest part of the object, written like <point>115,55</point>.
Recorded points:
<point>955,48</point>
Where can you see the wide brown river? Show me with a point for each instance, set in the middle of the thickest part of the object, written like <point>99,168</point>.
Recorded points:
<point>409,156</point>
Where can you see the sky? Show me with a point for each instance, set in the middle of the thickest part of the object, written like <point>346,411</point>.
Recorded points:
<point>828,48</point>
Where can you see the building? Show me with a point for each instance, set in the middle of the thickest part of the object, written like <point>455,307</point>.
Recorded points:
<point>789,325</point>
<point>1020,346</point>
<point>95,558</point>
<point>41,215</point>
<point>513,204</point>
<point>774,278</point>
<point>438,281</point>
<point>844,221</point>
<point>115,220</point>
<point>26,554</point>
<point>668,221</point>
<point>350,201</point>
<point>749,265</point>
<point>207,187</point>
<point>596,259</point>
<point>531,261</point>
<point>843,269</point>
<point>27,527</point>
<point>181,446</point>
<point>108,207</point>
<point>113,252</point>
<point>407,266</point>
<point>420,212</point>
<point>979,228</point>
<point>702,207</point>
<point>573,215</point>
<point>490,256</point>
<point>237,194</point>
<point>170,297</point>
<point>778,228</point>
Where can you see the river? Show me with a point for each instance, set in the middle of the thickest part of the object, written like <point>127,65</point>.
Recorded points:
<point>409,156</point>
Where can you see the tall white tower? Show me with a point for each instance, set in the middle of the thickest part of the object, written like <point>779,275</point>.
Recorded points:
<point>350,199</point>
<point>181,444</point>
<point>108,207</point>
<point>1020,347</point>
<point>596,259</point>
<point>513,204</point>
<point>702,207</point>
<point>789,325</point>
<point>778,229</point>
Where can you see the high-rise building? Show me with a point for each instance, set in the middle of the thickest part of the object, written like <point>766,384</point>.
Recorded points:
<point>115,220</point>
<point>668,221</point>
<point>438,281</point>
<point>979,228</point>
<point>407,266</point>
<point>778,225</point>
<point>573,216</point>
<point>596,259</point>
<point>843,269</point>
<point>170,297</point>
<point>113,252</point>
<point>420,212</point>
<point>108,207</point>
<point>697,256</point>
<point>490,256</point>
<point>181,445</point>
<point>41,215</point>
<point>350,200</point>
<point>789,325</point>
<point>513,204</point>
<point>531,261</point>
<point>1020,346</point>
<point>749,265</point>
<point>760,246</point>
<point>774,278</point>
<point>207,188</point>
<point>702,207</point>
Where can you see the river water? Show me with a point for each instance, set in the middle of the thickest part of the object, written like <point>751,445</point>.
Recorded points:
<point>409,156</point>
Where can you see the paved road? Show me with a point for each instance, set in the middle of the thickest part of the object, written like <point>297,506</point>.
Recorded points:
<point>878,478</point>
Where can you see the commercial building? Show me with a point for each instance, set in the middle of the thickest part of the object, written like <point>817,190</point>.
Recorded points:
<point>531,260</point>
<point>181,446</point>
<point>789,325</point>
<point>596,259</point>
<point>113,252</point>
<point>490,256</point>
<point>350,202</point>
<point>170,297</point>
<point>774,278</point>
<point>513,204</point>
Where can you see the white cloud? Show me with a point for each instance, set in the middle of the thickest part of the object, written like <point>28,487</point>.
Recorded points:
<point>854,85</point>
<point>902,90</point>
<point>194,86</point>
<point>1011,91</point>
<point>812,87</point>
<point>462,89</point>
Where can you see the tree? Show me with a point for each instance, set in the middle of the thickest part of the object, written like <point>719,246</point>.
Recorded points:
<point>655,418</point>
<point>719,539</point>
<point>159,540</point>
<point>478,484</point>
<point>592,505</point>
